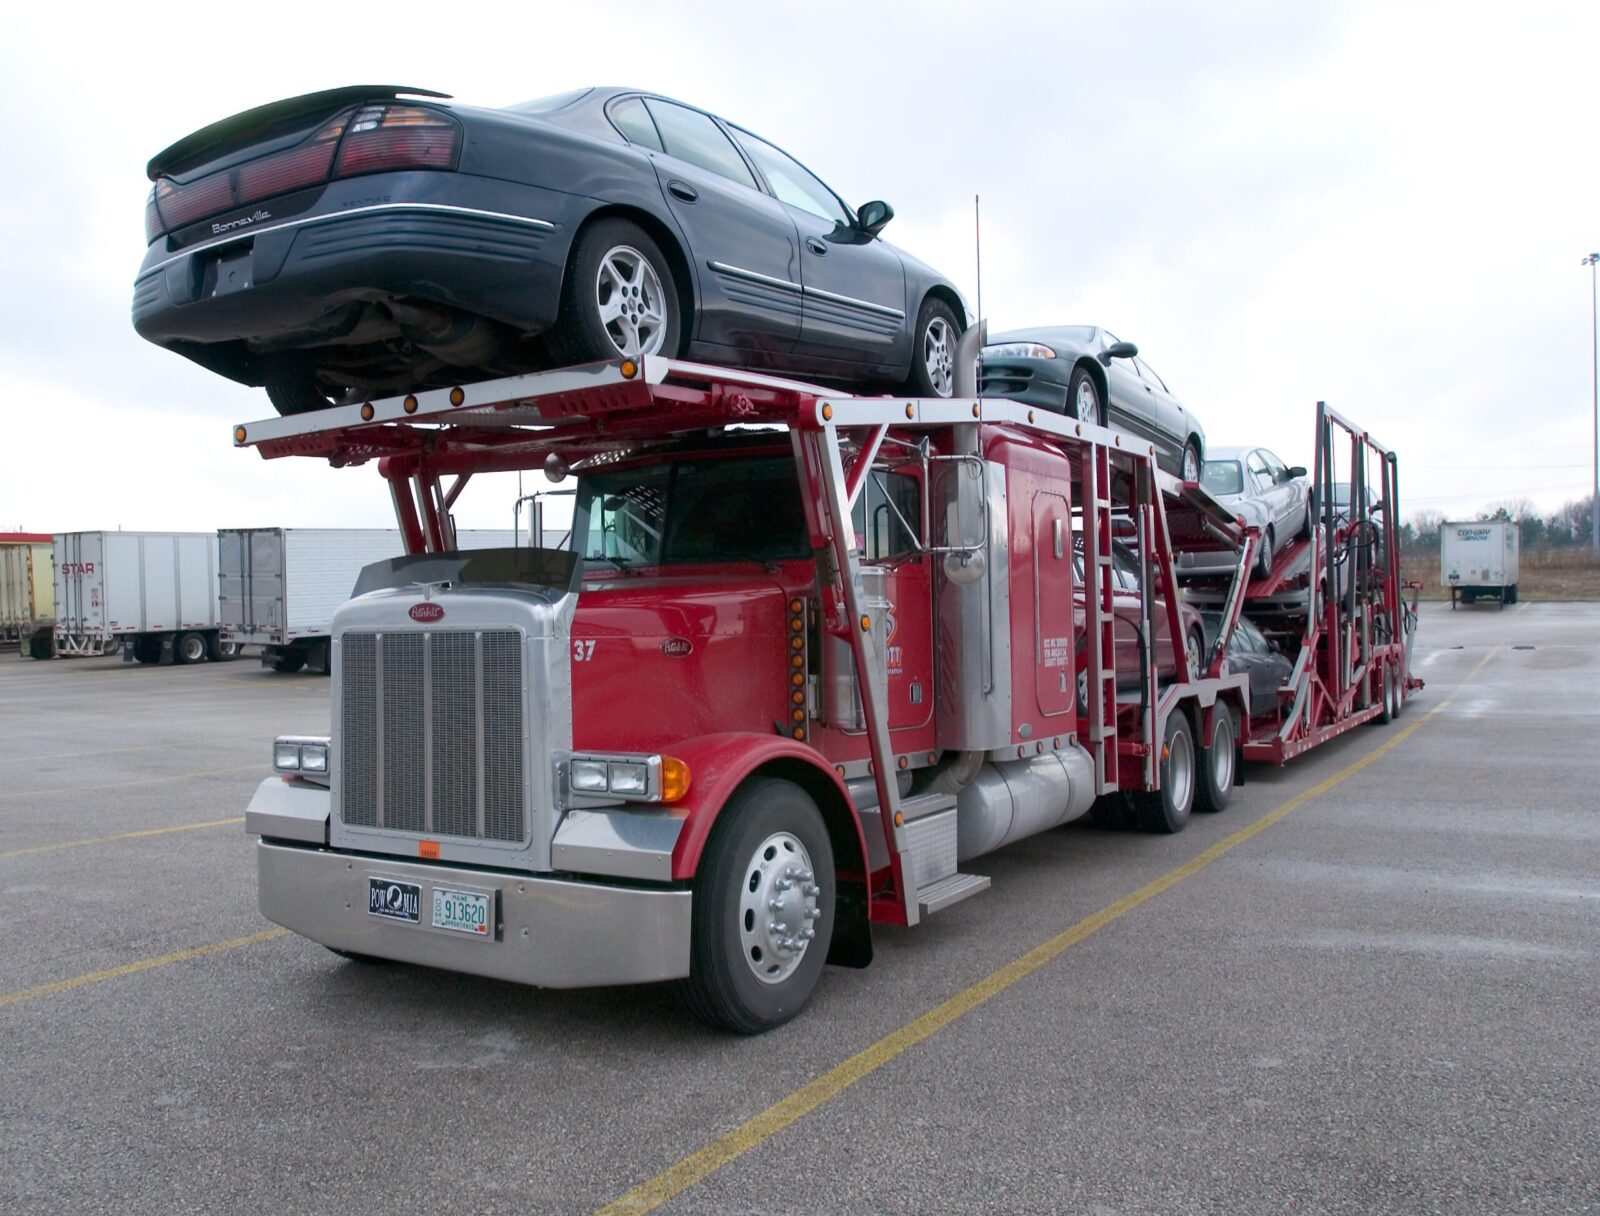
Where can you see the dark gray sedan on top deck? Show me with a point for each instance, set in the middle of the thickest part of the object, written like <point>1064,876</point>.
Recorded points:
<point>1087,372</point>
<point>378,239</point>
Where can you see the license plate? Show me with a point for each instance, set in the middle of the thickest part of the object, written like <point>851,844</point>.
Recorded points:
<point>394,900</point>
<point>461,911</point>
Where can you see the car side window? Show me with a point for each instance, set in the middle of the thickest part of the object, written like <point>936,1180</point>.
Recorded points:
<point>1125,568</point>
<point>692,136</point>
<point>631,118</point>
<point>792,182</point>
<point>1275,467</point>
<point>1149,373</point>
<point>1258,467</point>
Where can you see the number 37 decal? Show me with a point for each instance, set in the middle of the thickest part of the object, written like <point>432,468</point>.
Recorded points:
<point>582,650</point>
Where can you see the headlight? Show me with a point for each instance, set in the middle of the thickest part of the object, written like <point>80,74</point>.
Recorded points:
<point>1017,350</point>
<point>629,777</point>
<point>301,754</point>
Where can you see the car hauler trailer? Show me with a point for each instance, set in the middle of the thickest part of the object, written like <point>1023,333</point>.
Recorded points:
<point>807,658</point>
<point>1479,559</point>
<point>154,594</point>
<point>27,592</point>
<point>281,586</point>
<point>1351,649</point>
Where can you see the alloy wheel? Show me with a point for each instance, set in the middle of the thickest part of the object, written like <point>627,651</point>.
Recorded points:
<point>631,302</point>
<point>777,906</point>
<point>938,355</point>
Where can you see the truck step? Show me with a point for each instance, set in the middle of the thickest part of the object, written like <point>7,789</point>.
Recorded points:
<point>939,895</point>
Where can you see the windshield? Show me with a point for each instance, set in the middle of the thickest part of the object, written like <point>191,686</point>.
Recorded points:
<point>1222,477</point>
<point>702,510</point>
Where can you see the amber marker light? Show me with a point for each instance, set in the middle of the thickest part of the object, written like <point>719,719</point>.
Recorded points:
<point>1030,415</point>
<point>795,643</point>
<point>410,404</point>
<point>674,779</point>
<point>630,369</point>
<point>457,395</point>
<point>827,412</point>
<point>797,679</point>
<point>899,820</point>
<point>974,411</point>
<point>795,605</point>
<point>910,411</point>
<point>796,660</point>
<point>866,621</point>
<point>799,733</point>
<point>239,434</point>
<point>367,411</point>
<point>799,698</point>
<point>903,762</point>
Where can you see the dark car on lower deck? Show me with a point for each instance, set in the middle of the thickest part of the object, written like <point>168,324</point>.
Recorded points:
<point>378,239</point>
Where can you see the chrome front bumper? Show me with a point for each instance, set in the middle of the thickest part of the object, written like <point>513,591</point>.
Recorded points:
<point>550,933</point>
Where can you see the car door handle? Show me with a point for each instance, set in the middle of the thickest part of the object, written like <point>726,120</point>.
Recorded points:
<point>817,246</point>
<point>683,190</point>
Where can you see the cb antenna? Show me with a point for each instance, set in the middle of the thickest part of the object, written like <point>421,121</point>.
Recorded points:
<point>977,249</point>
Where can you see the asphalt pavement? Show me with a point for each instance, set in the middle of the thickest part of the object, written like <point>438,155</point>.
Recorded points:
<point>1385,1000</point>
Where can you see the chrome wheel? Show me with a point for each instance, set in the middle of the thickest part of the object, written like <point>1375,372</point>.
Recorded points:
<point>1087,403</point>
<point>632,304</point>
<point>938,355</point>
<point>1191,463</point>
<point>777,906</point>
<point>191,648</point>
<point>1180,771</point>
<point>1222,753</point>
<point>1195,657</point>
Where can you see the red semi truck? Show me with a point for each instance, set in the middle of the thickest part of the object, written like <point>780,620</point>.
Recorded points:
<point>805,658</point>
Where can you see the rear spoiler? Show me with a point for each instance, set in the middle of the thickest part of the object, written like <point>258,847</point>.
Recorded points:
<point>196,148</point>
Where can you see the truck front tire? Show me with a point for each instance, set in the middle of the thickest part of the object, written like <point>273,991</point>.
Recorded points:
<point>763,910</point>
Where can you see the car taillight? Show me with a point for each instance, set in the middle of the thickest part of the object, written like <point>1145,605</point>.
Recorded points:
<point>180,205</point>
<point>152,219</point>
<point>385,138</point>
<point>306,165</point>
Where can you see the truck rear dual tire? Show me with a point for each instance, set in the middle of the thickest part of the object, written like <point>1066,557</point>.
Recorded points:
<point>766,880</point>
<point>1218,764</point>
<point>189,648</point>
<point>1167,809</point>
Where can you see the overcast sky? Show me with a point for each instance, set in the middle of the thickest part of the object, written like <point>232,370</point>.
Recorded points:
<point>1381,205</point>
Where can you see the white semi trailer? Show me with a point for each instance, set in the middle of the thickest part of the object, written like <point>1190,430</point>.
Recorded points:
<point>279,587</point>
<point>154,594</point>
<point>1480,559</point>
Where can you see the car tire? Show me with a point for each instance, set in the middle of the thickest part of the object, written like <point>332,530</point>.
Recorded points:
<point>1192,461</point>
<point>1083,399</point>
<point>1167,809</point>
<point>1218,764</point>
<point>1195,655</point>
<point>189,648</point>
<point>1264,558</point>
<point>1308,523</point>
<point>293,388</point>
<point>290,663</point>
<point>933,350</point>
<point>747,971</point>
<point>619,300</point>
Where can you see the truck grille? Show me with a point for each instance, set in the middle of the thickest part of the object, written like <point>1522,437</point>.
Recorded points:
<point>431,733</point>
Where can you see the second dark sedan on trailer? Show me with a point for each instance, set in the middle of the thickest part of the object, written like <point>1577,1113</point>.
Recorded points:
<point>376,239</point>
<point>1088,373</point>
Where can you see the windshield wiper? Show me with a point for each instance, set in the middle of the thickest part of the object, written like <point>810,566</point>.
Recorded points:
<point>621,563</point>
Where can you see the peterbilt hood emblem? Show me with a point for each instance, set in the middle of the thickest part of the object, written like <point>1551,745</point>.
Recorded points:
<point>427,612</point>
<point>676,648</point>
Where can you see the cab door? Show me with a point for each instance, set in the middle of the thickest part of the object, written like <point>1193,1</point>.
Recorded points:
<point>887,517</point>
<point>1053,604</point>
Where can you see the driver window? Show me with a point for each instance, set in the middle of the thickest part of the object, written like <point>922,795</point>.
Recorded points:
<point>892,502</point>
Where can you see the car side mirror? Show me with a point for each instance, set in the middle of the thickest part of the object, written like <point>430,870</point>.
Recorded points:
<point>1118,350</point>
<point>1295,470</point>
<point>871,217</point>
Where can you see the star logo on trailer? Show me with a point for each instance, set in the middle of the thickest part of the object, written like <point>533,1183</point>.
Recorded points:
<point>426,612</point>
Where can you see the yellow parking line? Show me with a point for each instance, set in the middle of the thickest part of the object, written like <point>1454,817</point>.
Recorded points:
<point>144,964</point>
<point>122,785</point>
<point>73,844</point>
<point>698,1166</point>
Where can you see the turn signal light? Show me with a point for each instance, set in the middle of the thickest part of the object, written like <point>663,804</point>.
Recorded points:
<point>674,779</point>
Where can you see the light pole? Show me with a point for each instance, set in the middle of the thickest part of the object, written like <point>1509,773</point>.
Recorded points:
<point>1594,312</point>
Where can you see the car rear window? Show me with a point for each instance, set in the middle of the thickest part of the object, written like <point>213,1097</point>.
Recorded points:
<point>1222,477</point>
<point>631,118</point>
<point>692,136</point>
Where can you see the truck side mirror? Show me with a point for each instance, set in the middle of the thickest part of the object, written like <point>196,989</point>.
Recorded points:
<point>1118,350</point>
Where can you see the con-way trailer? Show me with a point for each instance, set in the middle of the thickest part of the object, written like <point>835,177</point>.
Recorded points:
<point>1480,559</point>
<point>281,586</point>
<point>153,594</point>
<point>27,592</point>
<point>807,657</point>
